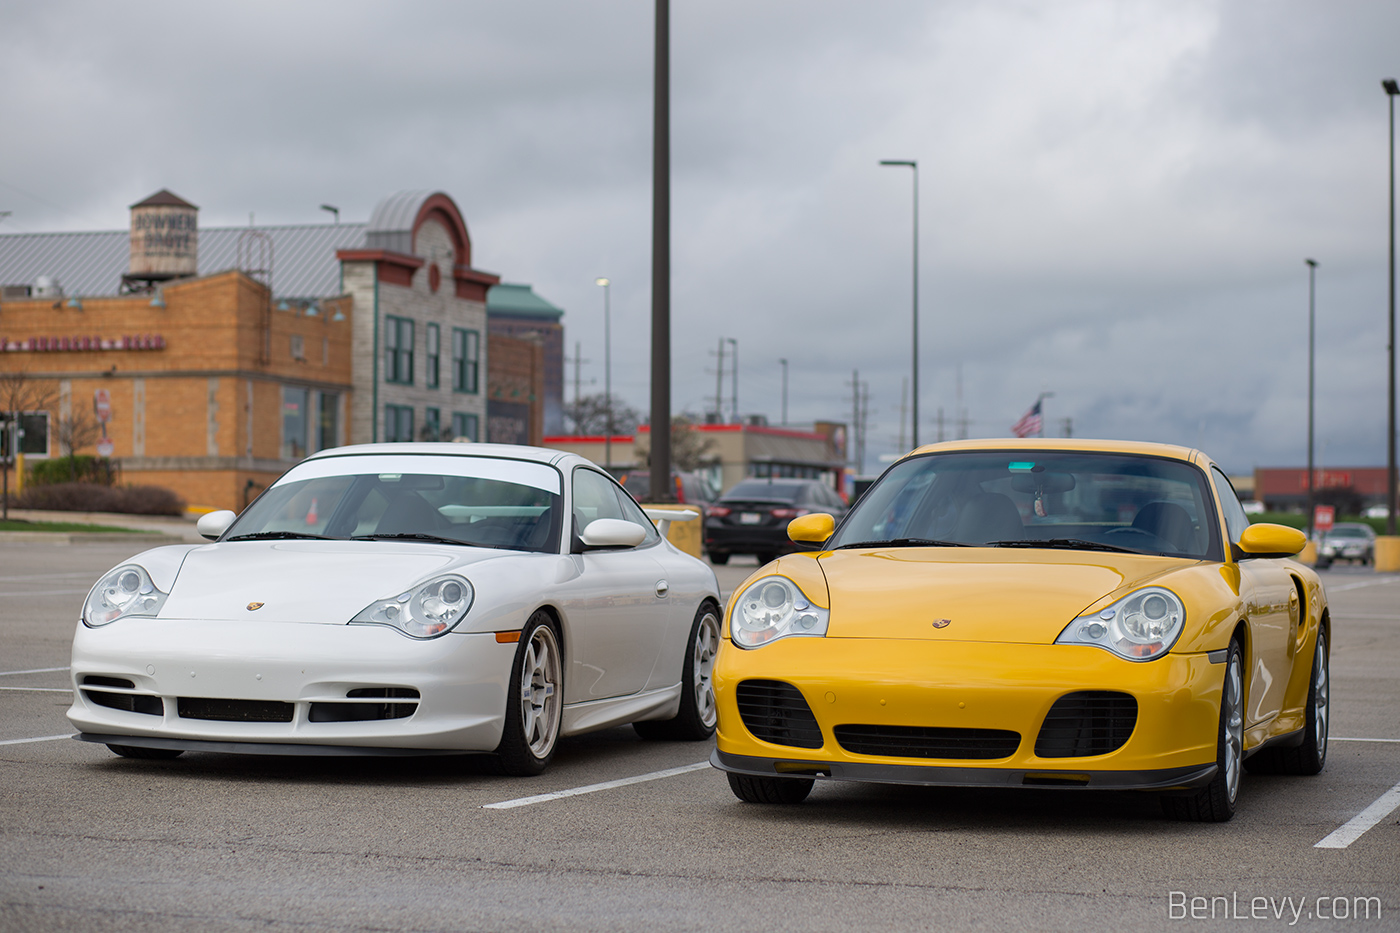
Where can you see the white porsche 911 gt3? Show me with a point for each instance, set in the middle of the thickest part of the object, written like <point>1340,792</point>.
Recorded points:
<point>404,599</point>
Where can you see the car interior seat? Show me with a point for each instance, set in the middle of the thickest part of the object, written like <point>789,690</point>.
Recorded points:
<point>986,517</point>
<point>1168,521</point>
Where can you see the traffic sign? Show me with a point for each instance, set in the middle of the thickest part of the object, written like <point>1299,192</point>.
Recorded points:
<point>102,404</point>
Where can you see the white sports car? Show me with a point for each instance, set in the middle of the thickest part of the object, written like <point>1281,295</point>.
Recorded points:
<point>404,599</point>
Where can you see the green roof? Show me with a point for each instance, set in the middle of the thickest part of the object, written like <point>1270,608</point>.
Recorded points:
<point>520,301</point>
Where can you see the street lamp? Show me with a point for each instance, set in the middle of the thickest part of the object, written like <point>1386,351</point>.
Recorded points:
<point>914,415</point>
<point>607,369</point>
<point>734,393</point>
<point>785,365</point>
<point>1391,89</point>
<point>1312,292</point>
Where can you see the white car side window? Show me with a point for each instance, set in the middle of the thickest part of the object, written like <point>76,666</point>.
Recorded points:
<point>593,499</point>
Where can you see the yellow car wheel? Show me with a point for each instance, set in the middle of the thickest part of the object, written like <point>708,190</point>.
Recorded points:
<point>1215,803</point>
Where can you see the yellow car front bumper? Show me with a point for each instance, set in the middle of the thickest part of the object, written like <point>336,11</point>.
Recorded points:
<point>967,713</point>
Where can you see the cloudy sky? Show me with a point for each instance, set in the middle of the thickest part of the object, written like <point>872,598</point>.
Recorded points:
<point>1116,199</point>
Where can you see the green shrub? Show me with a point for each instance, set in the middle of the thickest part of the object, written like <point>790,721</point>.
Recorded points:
<point>91,497</point>
<point>78,469</point>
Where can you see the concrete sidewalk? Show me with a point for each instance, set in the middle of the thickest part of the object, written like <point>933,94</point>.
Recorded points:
<point>171,529</point>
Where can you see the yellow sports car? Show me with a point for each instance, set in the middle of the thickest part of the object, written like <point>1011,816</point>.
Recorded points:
<point>1034,613</point>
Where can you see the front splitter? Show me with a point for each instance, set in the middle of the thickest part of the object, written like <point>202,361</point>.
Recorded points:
<point>266,748</point>
<point>1167,779</point>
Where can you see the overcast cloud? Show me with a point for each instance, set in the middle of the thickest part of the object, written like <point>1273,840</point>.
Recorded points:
<point>1116,199</point>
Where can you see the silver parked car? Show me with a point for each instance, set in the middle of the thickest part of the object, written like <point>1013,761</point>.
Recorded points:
<point>1349,541</point>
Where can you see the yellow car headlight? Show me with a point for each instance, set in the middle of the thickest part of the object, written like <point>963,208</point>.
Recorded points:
<point>1140,627</point>
<point>771,608</point>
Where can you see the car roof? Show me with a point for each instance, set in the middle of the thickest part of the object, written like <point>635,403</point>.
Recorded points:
<point>1141,448</point>
<point>557,458</point>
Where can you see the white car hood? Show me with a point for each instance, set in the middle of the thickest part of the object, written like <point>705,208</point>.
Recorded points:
<point>303,581</point>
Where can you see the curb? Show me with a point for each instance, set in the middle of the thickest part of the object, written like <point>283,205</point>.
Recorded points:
<point>61,538</point>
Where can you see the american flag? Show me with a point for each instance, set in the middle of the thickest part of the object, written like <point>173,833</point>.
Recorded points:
<point>1030,422</point>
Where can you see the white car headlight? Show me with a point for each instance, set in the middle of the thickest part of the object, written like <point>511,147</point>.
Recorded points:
<point>771,608</point>
<point>1141,626</point>
<point>126,591</point>
<point>428,611</point>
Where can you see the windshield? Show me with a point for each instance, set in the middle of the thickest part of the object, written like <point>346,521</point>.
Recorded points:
<point>1348,531</point>
<point>1039,498</point>
<point>426,499</point>
<point>752,490</point>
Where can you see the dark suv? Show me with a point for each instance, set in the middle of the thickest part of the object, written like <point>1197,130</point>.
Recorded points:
<point>752,518</point>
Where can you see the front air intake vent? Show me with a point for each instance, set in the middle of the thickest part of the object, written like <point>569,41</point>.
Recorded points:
<point>130,702</point>
<point>220,710</point>
<point>776,712</point>
<point>927,741</point>
<point>1091,722</point>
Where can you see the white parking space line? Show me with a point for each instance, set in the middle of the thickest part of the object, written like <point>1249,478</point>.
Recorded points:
<point>35,670</point>
<point>1356,586</point>
<point>1338,738</point>
<point>44,592</point>
<point>1352,830</point>
<point>590,788</point>
<point>40,689</point>
<point>42,738</point>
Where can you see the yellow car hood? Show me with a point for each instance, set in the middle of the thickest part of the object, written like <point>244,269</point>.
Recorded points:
<point>975,594</point>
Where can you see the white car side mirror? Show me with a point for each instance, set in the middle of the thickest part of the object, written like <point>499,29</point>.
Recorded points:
<point>215,523</point>
<point>613,532</point>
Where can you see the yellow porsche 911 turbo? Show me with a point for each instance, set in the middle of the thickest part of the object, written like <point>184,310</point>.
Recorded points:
<point>1033,613</point>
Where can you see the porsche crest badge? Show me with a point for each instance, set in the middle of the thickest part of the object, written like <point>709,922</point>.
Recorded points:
<point>253,606</point>
<point>937,623</point>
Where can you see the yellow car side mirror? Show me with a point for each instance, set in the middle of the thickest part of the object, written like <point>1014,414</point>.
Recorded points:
<point>1266,540</point>
<point>813,529</point>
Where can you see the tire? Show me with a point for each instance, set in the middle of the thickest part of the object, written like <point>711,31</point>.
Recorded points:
<point>1215,803</point>
<point>698,713</point>
<point>1310,757</point>
<point>719,558</point>
<point>752,789</point>
<point>146,754</point>
<point>534,701</point>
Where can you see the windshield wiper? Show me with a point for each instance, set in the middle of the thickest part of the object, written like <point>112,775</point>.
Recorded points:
<point>411,536</point>
<point>277,535</point>
<point>1075,544</point>
<point>905,542</point>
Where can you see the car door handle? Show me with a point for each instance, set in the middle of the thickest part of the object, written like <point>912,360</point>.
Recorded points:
<point>662,588</point>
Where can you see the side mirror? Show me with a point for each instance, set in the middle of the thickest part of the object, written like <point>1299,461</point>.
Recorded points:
<point>1266,540</point>
<point>612,532</point>
<point>213,524</point>
<point>812,529</point>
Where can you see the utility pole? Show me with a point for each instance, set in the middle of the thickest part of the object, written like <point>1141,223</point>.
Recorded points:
<point>661,261</point>
<point>903,397</point>
<point>719,384</point>
<point>734,396</point>
<point>785,375</point>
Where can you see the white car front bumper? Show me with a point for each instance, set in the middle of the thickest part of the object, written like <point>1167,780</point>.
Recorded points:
<point>293,684</point>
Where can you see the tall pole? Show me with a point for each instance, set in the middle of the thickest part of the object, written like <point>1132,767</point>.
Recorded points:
<point>1312,294</point>
<point>1391,89</point>
<point>914,380</point>
<point>785,366</point>
<point>734,369</point>
<point>661,262</point>
<point>719,383</point>
<point>607,370</point>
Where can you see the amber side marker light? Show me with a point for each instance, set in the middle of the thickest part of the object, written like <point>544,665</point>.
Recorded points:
<point>507,638</point>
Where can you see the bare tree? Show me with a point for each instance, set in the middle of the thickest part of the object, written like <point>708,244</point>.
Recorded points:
<point>73,432</point>
<point>19,392</point>
<point>688,446</point>
<point>589,415</point>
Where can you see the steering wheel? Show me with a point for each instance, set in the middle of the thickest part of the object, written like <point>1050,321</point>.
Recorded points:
<point>1150,541</point>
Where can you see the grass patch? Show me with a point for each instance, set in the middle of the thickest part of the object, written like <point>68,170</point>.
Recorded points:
<point>19,524</point>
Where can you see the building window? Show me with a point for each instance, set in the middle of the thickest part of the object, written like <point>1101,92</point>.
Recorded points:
<point>398,350</point>
<point>430,373</point>
<point>466,360</point>
<point>328,422</point>
<point>294,422</point>
<point>32,439</point>
<point>398,423</point>
<point>432,424</point>
<point>465,425</point>
<point>298,347</point>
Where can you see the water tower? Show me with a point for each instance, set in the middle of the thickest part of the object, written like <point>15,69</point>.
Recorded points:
<point>164,241</point>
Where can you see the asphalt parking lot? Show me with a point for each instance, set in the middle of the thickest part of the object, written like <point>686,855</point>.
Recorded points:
<point>89,841</point>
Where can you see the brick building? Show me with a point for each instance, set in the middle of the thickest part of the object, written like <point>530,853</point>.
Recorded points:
<point>515,310</point>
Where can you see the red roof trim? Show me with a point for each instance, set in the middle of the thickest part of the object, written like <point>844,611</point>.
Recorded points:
<point>442,208</point>
<point>586,439</point>
<point>749,429</point>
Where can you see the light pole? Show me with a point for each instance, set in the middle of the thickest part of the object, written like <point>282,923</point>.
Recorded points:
<point>734,393</point>
<point>1391,89</point>
<point>914,382</point>
<point>1312,293</point>
<point>785,365</point>
<point>607,370</point>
